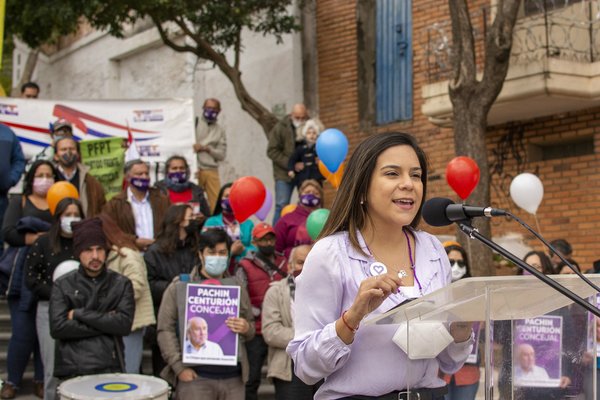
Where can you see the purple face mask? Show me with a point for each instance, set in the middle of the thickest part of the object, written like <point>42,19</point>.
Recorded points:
<point>226,206</point>
<point>141,184</point>
<point>177,177</point>
<point>210,115</point>
<point>310,200</point>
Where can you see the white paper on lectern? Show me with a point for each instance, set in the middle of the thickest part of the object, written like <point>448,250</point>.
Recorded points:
<point>427,339</point>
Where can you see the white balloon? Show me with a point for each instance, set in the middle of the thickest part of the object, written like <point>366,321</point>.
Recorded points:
<point>64,268</point>
<point>527,191</point>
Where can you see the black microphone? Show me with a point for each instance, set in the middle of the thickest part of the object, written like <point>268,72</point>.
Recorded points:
<point>441,212</point>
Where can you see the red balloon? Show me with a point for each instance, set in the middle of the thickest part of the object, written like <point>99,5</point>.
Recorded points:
<point>462,174</point>
<point>246,197</point>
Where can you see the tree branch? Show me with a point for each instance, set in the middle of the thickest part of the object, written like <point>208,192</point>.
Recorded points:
<point>498,44</point>
<point>237,49</point>
<point>164,35</point>
<point>463,46</point>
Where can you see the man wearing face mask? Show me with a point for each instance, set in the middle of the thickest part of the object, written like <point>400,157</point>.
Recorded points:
<point>283,140</point>
<point>66,159</point>
<point>180,189</point>
<point>256,271</point>
<point>210,147</point>
<point>139,209</point>
<point>193,381</point>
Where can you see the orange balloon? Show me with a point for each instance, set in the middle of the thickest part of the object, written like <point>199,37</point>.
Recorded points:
<point>335,178</point>
<point>323,169</point>
<point>288,209</point>
<point>58,191</point>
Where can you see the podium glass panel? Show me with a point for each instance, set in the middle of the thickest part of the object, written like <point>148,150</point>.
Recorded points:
<point>529,341</point>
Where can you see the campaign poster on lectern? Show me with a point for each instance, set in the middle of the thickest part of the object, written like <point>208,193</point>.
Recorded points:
<point>206,338</point>
<point>537,351</point>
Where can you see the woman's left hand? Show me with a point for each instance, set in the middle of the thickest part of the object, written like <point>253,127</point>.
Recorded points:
<point>237,325</point>
<point>461,331</point>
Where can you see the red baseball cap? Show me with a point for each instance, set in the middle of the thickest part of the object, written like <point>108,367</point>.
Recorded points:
<point>261,230</point>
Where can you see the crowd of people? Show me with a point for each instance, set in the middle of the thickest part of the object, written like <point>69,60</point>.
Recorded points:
<point>94,282</point>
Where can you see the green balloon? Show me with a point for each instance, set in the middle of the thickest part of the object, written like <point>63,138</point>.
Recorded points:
<point>316,221</point>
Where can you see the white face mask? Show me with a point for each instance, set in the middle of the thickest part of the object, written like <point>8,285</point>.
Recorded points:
<point>427,339</point>
<point>458,271</point>
<point>297,123</point>
<point>65,224</point>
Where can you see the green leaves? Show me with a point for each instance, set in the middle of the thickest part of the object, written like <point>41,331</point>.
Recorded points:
<point>217,22</point>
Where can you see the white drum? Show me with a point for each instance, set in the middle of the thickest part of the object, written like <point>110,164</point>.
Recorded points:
<point>114,386</point>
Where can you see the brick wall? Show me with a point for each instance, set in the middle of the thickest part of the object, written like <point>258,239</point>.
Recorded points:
<point>572,185</point>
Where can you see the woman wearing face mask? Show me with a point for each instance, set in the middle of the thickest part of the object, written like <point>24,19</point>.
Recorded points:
<point>210,382</point>
<point>311,198</point>
<point>173,253</point>
<point>180,189</point>
<point>125,259</point>
<point>45,255</point>
<point>223,218</point>
<point>464,383</point>
<point>26,219</point>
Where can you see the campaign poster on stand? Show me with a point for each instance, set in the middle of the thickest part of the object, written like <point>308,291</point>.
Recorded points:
<point>206,338</point>
<point>537,351</point>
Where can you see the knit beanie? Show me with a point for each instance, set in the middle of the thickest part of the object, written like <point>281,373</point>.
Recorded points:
<point>87,233</point>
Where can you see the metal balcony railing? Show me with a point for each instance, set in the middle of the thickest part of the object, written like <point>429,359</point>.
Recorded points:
<point>561,29</point>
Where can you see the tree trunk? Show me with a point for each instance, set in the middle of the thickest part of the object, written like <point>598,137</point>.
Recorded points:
<point>472,99</point>
<point>469,139</point>
<point>27,74</point>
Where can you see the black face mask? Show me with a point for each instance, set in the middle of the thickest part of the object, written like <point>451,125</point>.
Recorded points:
<point>193,227</point>
<point>69,159</point>
<point>267,251</point>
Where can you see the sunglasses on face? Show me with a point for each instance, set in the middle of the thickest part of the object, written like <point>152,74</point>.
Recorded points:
<point>460,263</point>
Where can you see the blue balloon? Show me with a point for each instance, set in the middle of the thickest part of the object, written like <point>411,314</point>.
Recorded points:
<point>332,148</point>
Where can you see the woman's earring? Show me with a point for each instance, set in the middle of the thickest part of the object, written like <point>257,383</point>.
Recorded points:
<point>362,202</point>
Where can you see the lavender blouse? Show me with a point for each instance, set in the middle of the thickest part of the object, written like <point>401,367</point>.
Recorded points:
<point>372,365</point>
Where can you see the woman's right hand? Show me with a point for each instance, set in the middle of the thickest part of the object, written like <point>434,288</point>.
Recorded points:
<point>187,375</point>
<point>372,292</point>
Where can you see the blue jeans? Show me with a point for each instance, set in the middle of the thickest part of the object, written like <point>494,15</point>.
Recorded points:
<point>23,342</point>
<point>134,343</point>
<point>283,194</point>
<point>466,392</point>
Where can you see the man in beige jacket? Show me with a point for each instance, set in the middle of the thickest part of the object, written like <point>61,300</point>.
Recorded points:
<point>278,330</point>
<point>210,148</point>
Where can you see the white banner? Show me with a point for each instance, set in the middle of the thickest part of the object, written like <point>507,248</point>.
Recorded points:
<point>160,128</point>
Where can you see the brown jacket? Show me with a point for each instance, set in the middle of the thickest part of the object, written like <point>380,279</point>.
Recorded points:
<point>120,210</point>
<point>171,319</point>
<point>278,329</point>
<point>91,194</point>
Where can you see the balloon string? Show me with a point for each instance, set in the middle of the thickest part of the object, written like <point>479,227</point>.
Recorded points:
<point>537,223</point>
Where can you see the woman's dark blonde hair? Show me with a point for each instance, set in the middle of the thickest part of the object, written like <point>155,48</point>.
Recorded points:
<point>347,212</point>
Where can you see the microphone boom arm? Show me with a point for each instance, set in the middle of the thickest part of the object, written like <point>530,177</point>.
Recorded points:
<point>473,233</point>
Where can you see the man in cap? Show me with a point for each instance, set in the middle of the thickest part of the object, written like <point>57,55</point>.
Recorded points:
<point>257,270</point>
<point>91,309</point>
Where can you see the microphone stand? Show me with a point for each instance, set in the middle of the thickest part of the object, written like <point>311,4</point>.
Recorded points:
<point>473,233</point>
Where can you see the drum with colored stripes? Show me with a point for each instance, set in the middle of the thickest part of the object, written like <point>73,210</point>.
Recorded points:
<point>114,386</point>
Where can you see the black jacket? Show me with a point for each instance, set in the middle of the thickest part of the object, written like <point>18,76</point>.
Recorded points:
<point>162,267</point>
<point>103,314</point>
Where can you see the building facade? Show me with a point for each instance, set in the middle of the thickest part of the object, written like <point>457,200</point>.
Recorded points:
<point>384,66</point>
